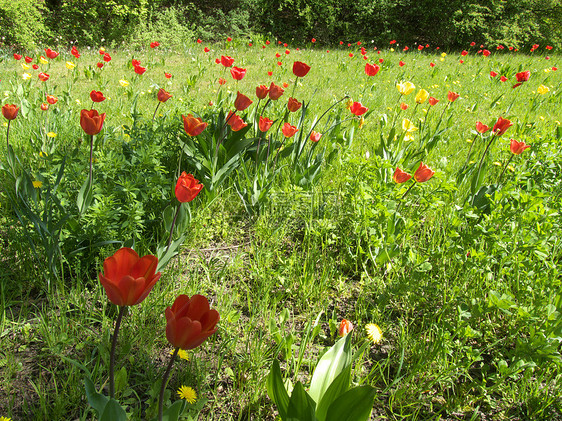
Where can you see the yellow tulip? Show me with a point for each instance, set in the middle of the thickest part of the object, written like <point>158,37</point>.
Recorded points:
<point>123,83</point>
<point>408,126</point>
<point>43,60</point>
<point>70,65</point>
<point>542,90</point>
<point>26,76</point>
<point>52,135</point>
<point>406,88</point>
<point>422,96</point>
<point>25,66</point>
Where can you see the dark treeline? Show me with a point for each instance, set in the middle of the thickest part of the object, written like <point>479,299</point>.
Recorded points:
<point>446,23</point>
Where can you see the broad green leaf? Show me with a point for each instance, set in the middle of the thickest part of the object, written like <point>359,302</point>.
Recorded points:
<point>113,412</point>
<point>354,405</point>
<point>276,389</point>
<point>339,386</point>
<point>301,405</point>
<point>95,399</point>
<point>330,366</point>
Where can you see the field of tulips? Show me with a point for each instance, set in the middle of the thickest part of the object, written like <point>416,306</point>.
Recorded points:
<point>261,231</point>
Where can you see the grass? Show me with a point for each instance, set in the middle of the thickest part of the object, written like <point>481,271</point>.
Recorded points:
<point>468,299</point>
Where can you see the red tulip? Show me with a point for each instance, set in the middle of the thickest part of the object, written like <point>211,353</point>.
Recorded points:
<point>154,44</point>
<point>17,56</point>
<point>493,74</point>
<point>371,69</point>
<point>91,122</point>
<point>481,128</point>
<point>404,106</point>
<point>432,101</point>
<point>222,81</point>
<point>167,75</point>
<point>275,91</point>
<point>229,39</point>
<point>261,91</point>
<point>400,176</point>
<point>50,53</point>
<point>401,63</point>
<point>106,57</point>
<point>501,126</point>
<point>452,96</point>
<point>293,105</point>
<point>313,40</point>
<point>74,51</point>
<point>345,327</point>
<point>139,70</point>
<point>199,41</point>
<point>431,64</point>
<point>28,59</point>
<point>503,79</point>
<point>206,49</point>
<point>163,96</point>
<point>518,147</point>
<point>43,76</point>
<point>288,130</point>
<point>287,52</point>
<point>35,67</point>
<point>187,188</point>
<point>100,65</point>
<point>193,126</point>
<point>128,278</point>
<point>265,124</point>
<point>226,61</point>
<point>464,53</point>
<point>485,53</point>
<point>135,62</point>
<point>315,136</point>
<point>423,173</point>
<point>96,96</point>
<point>51,99</point>
<point>44,106</point>
<point>190,321</point>
<point>522,77</point>
<point>10,111</point>
<point>358,109</point>
<point>235,122</point>
<point>300,69</point>
<point>238,73</point>
<point>242,102</point>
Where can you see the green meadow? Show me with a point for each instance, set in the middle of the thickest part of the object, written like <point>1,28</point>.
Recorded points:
<point>459,267</point>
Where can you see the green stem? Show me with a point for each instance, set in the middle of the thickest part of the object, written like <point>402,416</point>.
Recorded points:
<point>404,195</point>
<point>164,383</point>
<point>172,228</point>
<point>469,151</point>
<point>112,354</point>
<point>90,174</point>
<point>505,168</point>
<point>8,135</point>
<point>484,155</point>
<point>154,115</point>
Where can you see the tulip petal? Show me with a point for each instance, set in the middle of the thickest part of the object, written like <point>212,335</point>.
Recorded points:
<point>113,292</point>
<point>209,321</point>
<point>120,264</point>
<point>148,287</point>
<point>146,266</point>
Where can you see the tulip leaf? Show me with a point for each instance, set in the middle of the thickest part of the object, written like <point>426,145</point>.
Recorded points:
<point>276,389</point>
<point>339,386</point>
<point>85,197</point>
<point>113,412</point>
<point>301,405</point>
<point>330,366</point>
<point>354,405</point>
<point>95,399</point>
<point>173,412</point>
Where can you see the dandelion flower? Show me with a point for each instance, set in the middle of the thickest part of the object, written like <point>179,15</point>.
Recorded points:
<point>182,354</point>
<point>52,135</point>
<point>542,89</point>
<point>374,333</point>
<point>5,419</point>
<point>37,184</point>
<point>187,393</point>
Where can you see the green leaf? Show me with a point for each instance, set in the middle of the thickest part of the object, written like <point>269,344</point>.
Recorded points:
<point>276,389</point>
<point>95,399</point>
<point>85,197</point>
<point>354,405</point>
<point>330,366</point>
<point>301,405</point>
<point>339,386</point>
<point>113,412</point>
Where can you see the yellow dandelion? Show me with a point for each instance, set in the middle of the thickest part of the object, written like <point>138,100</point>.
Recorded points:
<point>187,393</point>
<point>498,164</point>
<point>52,135</point>
<point>443,54</point>
<point>70,65</point>
<point>5,124</point>
<point>26,76</point>
<point>181,353</point>
<point>442,59</point>
<point>5,419</point>
<point>123,83</point>
<point>392,50</point>
<point>37,184</point>
<point>374,333</point>
<point>43,154</point>
<point>510,168</point>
